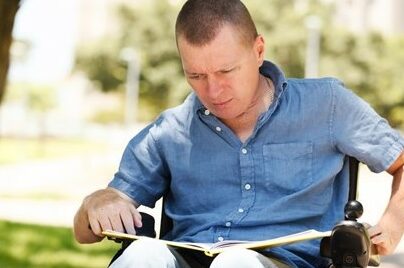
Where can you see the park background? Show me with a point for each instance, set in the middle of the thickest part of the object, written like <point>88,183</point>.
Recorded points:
<point>85,76</point>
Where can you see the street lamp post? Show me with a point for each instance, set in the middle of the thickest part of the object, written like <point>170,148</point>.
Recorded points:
<point>313,24</point>
<point>132,85</point>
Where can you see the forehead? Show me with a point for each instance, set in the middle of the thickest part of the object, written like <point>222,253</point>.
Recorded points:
<point>226,49</point>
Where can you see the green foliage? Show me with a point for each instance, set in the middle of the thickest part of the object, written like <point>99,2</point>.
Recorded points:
<point>108,116</point>
<point>283,31</point>
<point>101,63</point>
<point>26,245</point>
<point>38,98</point>
<point>41,98</point>
<point>370,64</point>
<point>150,30</point>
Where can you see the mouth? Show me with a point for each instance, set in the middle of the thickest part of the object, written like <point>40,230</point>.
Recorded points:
<point>222,103</point>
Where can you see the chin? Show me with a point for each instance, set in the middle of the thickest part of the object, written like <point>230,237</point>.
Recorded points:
<point>225,115</point>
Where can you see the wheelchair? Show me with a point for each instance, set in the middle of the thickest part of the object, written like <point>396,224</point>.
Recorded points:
<point>348,246</point>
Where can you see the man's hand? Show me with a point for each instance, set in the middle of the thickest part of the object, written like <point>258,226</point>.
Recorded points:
<point>385,236</point>
<point>106,209</point>
<point>388,232</point>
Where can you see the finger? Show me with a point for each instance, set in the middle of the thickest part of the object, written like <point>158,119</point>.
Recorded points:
<point>95,226</point>
<point>374,231</point>
<point>137,218</point>
<point>116,223</point>
<point>383,244</point>
<point>383,249</point>
<point>128,222</point>
<point>379,239</point>
<point>105,223</point>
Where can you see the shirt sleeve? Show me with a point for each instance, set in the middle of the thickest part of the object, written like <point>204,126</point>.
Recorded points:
<point>142,173</point>
<point>357,130</point>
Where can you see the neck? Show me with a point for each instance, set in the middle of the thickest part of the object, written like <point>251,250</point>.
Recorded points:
<point>244,124</point>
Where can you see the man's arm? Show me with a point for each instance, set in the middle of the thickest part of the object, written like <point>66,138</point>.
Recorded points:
<point>387,233</point>
<point>105,209</point>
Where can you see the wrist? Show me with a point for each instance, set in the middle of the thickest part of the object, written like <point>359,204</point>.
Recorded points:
<point>391,222</point>
<point>123,196</point>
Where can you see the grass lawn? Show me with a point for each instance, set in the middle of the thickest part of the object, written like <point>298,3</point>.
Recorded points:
<point>24,245</point>
<point>14,150</point>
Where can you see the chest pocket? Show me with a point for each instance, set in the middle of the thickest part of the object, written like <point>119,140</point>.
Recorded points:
<point>288,166</point>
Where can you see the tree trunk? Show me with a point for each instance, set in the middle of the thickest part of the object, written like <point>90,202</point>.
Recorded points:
<point>8,9</point>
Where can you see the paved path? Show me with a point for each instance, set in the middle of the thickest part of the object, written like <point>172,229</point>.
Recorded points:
<point>47,192</point>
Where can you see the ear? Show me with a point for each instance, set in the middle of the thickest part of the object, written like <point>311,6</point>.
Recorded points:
<point>259,49</point>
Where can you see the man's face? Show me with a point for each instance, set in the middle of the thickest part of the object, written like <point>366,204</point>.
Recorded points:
<point>224,73</point>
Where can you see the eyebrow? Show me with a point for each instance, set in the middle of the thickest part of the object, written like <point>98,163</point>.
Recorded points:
<point>224,68</point>
<point>227,67</point>
<point>191,73</point>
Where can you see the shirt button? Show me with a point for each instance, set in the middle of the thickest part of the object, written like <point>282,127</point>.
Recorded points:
<point>218,129</point>
<point>207,112</point>
<point>228,224</point>
<point>240,210</point>
<point>247,186</point>
<point>220,239</point>
<point>244,151</point>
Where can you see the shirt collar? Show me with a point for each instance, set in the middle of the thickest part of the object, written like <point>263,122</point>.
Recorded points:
<point>197,104</point>
<point>272,71</point>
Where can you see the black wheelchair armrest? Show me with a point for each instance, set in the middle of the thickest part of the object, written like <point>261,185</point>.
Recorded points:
<point>148,225</point>
<point>349,244</point>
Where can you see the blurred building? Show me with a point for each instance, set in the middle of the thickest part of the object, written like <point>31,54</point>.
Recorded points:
<point>361,16</point>
<point>96,18</point>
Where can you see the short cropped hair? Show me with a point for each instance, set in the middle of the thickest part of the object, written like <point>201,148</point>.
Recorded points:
<point>199,21</point>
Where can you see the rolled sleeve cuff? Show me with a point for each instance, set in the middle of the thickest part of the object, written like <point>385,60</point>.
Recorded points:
<point>391,156</point>
<point>136,192</point>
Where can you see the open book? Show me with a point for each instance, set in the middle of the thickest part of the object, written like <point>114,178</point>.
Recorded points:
<point>211,249</point>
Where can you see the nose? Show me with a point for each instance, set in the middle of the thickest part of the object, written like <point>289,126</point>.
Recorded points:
<point>214,88</point>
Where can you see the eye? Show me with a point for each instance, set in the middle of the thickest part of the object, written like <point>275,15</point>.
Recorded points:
<point>196,76</point>
<point>226,71</point>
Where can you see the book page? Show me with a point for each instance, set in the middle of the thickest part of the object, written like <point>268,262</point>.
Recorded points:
<point>216,248</point>
<point>196,246</point>
<point>293,238</point>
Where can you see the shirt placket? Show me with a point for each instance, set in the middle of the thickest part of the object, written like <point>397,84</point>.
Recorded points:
<point>247,181</point>
<point>218,127</point>
<point>247,186</point>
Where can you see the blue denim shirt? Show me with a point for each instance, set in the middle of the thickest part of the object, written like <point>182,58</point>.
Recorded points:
<point>289,176</point>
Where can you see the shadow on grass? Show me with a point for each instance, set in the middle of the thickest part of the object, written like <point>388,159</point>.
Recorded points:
<point>24,245</point>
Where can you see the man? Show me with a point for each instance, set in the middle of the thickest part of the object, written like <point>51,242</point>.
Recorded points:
<point>249,155</point>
